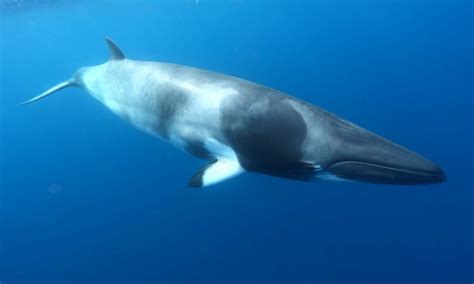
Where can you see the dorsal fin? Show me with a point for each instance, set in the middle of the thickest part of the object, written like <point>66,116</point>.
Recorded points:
<point>115,52</point>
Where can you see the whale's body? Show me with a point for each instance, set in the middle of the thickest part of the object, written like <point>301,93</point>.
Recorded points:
<point>242,126</point>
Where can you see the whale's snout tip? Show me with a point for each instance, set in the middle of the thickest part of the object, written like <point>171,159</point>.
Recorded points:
<point>438,175</point>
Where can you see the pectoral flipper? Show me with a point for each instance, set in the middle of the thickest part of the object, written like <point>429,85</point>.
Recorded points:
<point>216,171</point>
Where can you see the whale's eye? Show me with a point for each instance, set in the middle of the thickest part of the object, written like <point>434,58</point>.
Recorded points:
<point>314,166</point>
<point>317,167</point>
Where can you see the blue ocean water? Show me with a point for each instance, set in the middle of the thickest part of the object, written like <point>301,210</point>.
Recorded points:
<point>85,198</point>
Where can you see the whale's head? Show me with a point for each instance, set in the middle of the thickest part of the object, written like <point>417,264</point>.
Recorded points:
<point>356,154</point>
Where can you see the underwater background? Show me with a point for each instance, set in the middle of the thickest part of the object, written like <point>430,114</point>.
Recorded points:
<point>85,198</point>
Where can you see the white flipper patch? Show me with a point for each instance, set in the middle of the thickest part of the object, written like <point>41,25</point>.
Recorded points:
<point>224,167</point>
<point>215,172</point>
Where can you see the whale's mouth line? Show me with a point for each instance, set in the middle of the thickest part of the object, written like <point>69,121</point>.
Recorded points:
<point>384,167</point>
<point>382,173</point>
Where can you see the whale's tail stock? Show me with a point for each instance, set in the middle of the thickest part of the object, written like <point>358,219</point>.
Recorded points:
<point>68,83</point>
<point>115,54</point>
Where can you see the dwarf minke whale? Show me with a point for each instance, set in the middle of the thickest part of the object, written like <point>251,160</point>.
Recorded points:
<point>239,126</point>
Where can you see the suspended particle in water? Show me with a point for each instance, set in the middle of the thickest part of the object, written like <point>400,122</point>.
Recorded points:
<point>54,188</point>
